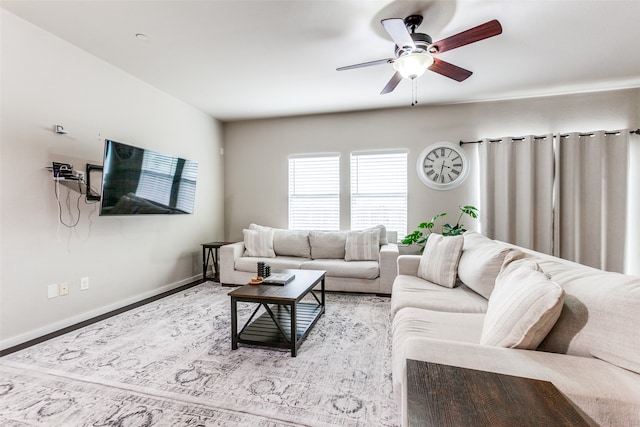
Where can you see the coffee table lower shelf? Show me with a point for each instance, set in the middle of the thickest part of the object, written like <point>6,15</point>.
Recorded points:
<point>264,331</point>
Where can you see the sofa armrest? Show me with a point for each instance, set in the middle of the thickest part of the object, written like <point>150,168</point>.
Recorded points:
<point>408,264</point>
<point>388,267</point>
<point>593,385</point>
<point>228,256</point>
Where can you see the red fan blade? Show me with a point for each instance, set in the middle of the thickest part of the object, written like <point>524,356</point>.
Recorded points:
<point>398,32</point>
<point>472,35</point>
<point>392,83</point>
<point>366,64</point>
<point>449,70</point>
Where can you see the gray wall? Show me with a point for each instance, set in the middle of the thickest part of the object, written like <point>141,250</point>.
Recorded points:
<point>46,81</point>
<point>256,151</point>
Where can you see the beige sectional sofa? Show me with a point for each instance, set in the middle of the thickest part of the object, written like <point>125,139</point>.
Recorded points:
<point>588,345</point>
<point>355,261</point>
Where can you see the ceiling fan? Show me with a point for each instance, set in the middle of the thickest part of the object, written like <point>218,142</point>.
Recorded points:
<point>414,52</point>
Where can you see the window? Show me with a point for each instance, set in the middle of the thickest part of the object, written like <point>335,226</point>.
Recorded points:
<point>314,192</point>
<point>379,190</point>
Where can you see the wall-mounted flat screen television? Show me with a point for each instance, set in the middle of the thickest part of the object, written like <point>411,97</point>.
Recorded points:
<point>136,181</point>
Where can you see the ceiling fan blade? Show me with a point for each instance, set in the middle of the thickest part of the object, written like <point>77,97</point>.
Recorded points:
<point>449,70</point>
<point>397,77</point>
<point>398,32</point>
<point>472,35</point>
<point>366,64</point>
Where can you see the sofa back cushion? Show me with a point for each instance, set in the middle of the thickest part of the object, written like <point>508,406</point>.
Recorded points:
<point>291,243</point>
<point>439,261</point>
<point>327,244</point>
<point>481,261</point>
<point>523,307</point>
<point>600,317</point>
<point>362,245</point>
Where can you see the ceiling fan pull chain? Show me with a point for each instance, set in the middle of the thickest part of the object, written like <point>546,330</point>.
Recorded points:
<point>414,92</point>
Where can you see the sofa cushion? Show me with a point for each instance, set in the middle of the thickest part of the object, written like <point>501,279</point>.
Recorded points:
<point>481,261</point>
<point>523,307</point>
<point>412,291</point>
<point>411,324</point>
<point>439,262</point>
<point>327,244</point>
<point>342,268</point>
<point>258,243</point>
<point>362,245</point>
<point>473,239</point>
<point>291,243</point>
<point>600,316</point>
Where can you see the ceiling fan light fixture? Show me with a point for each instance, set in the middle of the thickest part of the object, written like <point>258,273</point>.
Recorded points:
<point>413,65</point>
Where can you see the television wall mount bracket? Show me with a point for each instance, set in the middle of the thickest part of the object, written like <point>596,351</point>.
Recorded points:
<point>91,196</point>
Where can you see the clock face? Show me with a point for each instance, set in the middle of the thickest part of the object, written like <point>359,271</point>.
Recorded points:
<point>442,166</point>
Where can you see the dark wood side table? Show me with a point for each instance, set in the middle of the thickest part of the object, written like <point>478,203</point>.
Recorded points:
<point>442,395</point>
<point>211,250</point>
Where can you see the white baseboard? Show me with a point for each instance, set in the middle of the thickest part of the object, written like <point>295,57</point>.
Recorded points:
<point>73,320</point>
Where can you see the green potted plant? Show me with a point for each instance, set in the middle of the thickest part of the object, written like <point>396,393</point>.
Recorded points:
<point>420,236</point>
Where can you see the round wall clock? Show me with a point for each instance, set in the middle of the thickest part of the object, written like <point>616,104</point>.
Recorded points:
<point>442,166</point>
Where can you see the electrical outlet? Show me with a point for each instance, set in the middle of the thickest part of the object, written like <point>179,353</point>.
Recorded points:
<point>64,288</point>
<point>84,283</point>
<point>52,291</point>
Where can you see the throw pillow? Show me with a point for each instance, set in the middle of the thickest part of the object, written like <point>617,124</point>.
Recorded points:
<point>253,226</point>
<point>258,243</point>
<point>439,262</point>
<point>523,307</point>
<point>362,245</point>
<point>383,233</point>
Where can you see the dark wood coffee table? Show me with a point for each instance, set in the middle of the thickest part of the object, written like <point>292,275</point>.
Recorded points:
<point>284,311</point>
<point>442,395</point>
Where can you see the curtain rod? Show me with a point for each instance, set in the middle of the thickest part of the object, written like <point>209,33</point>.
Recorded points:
<point>637,132</point>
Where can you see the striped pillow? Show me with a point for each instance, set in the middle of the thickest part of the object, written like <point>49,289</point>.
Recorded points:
<point>259,243</point>
<point>362,245</point>
<point>523,307</point>
<point>439,262</point>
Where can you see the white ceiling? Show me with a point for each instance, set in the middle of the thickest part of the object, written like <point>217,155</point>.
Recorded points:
<point>243,59</point>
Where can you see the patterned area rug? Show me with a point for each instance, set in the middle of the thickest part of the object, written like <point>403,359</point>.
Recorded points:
<point>170,363</point>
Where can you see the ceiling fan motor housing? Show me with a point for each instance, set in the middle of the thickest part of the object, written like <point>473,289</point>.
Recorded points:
<point>421,41</point>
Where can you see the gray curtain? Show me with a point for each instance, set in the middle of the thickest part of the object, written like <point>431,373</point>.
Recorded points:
<point>517,186</point>
<point>591,206</point>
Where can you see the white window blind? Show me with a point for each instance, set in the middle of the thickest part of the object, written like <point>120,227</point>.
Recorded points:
<point>314,192</point>
<point>379,190</point>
